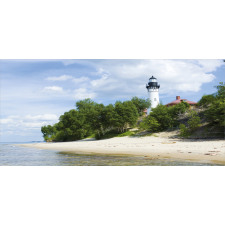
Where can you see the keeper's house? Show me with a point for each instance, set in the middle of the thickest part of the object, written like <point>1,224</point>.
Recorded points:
<point>179,100</point>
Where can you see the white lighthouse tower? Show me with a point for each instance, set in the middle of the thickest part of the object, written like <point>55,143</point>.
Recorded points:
<point>153,92</point>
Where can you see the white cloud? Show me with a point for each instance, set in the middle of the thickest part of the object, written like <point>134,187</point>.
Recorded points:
<point>128,77</point>
<point>42,117</point>
<point>60,78</point>
<point>210,65</point>
<point>6,121</point>
<point>83,93</point>
<point>16,123</point>
<point>80,80</point>
<point>100,82</point>
<point>35,125</point>
<point>53,89</point>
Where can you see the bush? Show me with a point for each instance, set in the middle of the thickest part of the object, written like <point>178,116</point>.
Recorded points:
<point>206,100</point>
<point>162,118</point>
<point>194,121</point>
<point>184,132</point>
<point>151,124</point>
<point>215,114</point>
<point>193,124</point>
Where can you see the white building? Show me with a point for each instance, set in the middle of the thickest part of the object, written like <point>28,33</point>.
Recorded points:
<point>153,92</point>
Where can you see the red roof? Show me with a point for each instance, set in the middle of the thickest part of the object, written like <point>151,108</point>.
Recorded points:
<point>181,100</point>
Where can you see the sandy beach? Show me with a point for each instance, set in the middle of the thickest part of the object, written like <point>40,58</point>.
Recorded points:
<point>159,146</point>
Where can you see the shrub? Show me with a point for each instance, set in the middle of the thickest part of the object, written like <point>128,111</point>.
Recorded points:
<point>193,124</point>
<point>152,124</point>
<point>184,132</point>
<point>194,121</point>
<point>206,100</point>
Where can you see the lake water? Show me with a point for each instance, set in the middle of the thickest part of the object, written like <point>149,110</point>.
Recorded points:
<point>13,155</point>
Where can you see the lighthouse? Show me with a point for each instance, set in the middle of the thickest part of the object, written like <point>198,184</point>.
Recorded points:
<point>153,92</point>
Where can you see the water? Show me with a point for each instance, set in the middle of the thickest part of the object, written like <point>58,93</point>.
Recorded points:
<point>13,155</point>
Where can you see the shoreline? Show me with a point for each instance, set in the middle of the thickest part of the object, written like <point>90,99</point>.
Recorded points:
<point>161,146</point>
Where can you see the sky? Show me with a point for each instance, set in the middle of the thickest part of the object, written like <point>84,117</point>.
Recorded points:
<point>36,92</point>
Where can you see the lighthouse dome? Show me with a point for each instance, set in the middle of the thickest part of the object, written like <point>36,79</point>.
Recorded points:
<point>152,83</point>
<point>152,79</point>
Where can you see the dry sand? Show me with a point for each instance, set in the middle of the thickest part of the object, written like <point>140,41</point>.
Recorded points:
<point>159,146</point>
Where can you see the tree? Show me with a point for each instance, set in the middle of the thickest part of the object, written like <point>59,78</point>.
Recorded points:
<point>215,114</point>
<point>108,117</point>
<point>151,124</point>
<point>47,132</point>
<point>162,115</point>
<point>71,126</point>
<point>177,110</point>
<point>192,124</point>
<point>206,100</point>
<point>184,131</point>
<point>194,121</point>
<point>220,90</point>
<point>125,114</point>
<point>93,114</point>
<point>141,104</point>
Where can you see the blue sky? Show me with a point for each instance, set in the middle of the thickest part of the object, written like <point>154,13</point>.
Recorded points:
<point>36,92</point>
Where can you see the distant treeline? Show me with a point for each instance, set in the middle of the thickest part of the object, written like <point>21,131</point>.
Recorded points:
<point>90,118</point>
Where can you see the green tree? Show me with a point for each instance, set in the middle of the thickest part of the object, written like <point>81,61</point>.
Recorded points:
<point>71,126</point>
<point>215,114</point>
<point>176,111</point>
<point>206,100</point>
<point>184,131</point>
<point>125,114</point>
<point>221,90</point>
<point>194,121</point>
<point>47,132</point>
<point>162,118</point>
<point>151,124</point>
<point>141,104</point>
<point>108,117</point>
<point>162,114</point>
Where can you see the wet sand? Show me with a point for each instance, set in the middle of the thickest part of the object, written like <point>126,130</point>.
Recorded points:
<point>154,147</point>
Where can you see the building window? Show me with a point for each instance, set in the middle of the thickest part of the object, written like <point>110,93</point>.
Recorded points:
<point>155,99</point>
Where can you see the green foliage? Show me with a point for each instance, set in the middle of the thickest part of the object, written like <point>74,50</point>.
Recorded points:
<point>194,121</point>
<point>151,124</point>
<point>127,133</point>
<point>176,111</point>
<point>71,126</point>
<point>114,133</point>
<point>48,131</point>
<point>141,104</point>
<point>91,118</point>
<point>215,114</point>
<point>206,100</point>
<point>220,90</point>
<point>125,114</point>
<point>162,118</point>
<point>193,124</point>
<point>184,132</point>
